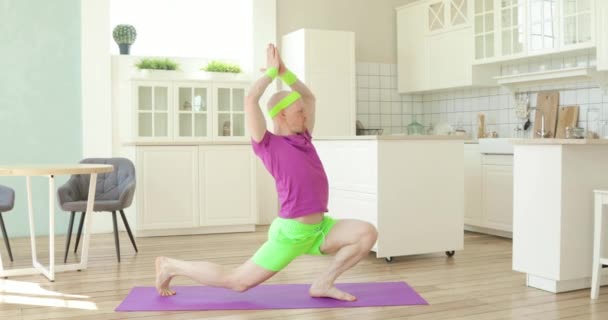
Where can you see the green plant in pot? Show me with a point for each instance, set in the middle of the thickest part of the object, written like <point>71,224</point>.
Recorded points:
<point>157,64</point>
<point>219,66</point>
<point>124,35</point>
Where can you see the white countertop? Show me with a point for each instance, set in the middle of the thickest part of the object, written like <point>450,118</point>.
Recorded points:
<point>395,137</point>
<point>559,141</point>
<point>185,143</point>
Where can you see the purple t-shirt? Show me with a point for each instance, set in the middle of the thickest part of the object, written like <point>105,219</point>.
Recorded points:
<point>298,173</point>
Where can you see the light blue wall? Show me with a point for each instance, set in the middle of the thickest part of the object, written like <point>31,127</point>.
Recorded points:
<point>40,92</point>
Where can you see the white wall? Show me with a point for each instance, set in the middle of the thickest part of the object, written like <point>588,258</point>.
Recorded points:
<point>373,22</point>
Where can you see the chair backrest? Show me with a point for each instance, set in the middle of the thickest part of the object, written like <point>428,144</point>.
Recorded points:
<point>7,198</point>
<point>109,185</point>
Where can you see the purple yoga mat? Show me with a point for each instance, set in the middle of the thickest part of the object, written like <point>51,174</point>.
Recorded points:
<point>277,296</point>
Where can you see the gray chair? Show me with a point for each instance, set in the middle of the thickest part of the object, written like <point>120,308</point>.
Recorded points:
<point>7,200</point>
<point>114,192</point>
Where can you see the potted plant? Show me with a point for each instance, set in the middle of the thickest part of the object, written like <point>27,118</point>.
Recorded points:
<point>219,66</point>
<point>157,64</point>
<point>124,35</point>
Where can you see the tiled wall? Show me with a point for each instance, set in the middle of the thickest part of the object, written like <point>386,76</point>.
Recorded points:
<point>380,106</point>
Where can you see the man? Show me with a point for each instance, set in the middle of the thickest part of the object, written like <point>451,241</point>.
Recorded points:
<point>302,226</point>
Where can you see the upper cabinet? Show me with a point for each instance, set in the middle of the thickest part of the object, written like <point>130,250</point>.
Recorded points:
<point>189,110</point>
<point>601,15</point>
<point>435,46</point>
<point>509,29</point>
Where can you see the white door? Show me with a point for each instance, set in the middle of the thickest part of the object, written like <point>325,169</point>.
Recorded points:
<point>167,189</point>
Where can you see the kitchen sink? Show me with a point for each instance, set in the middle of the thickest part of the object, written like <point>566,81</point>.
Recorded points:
<point>495,145</point>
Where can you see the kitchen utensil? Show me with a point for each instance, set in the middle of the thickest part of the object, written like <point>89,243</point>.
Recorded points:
<point>545,121</point>
<point>567,117</point>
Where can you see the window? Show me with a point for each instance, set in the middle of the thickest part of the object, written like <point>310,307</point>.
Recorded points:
<point>210,29</point>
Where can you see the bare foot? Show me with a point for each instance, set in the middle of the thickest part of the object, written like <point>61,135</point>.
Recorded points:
<point>331,292</point>
<point>163,278</point>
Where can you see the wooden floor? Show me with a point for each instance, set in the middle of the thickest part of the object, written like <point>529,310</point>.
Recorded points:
<point>477,283</point>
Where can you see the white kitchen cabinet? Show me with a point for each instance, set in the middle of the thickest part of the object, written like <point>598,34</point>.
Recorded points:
<point>175,110</point>
<point>227,196</point>
<point>512,28</point>
<point>577,23</point>
<point>412,48</point>
<point>325,61</point>
<point>435,47</point>
<point>488,196</point>
<point>152,113</point>
<point>601,16</point>
<point>193,102</point>
<point>473,213</point>
<point>167,187</point>
<point>498,192</point>
<point>192,189</point>
<point>485,26</point>
<point>410,188</point>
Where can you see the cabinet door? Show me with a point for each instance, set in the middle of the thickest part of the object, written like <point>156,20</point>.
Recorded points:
<point>227,185</point>
<point>167,187</point>
<point>451,56</point>
<point>498,197</point>
<point>484,29</point>
<point>412,49</point>
<point>193,118</point>
<point>512,27</point>
<point>436,16</point>
<point>229,107</point>
<point>152,110</point>
<point>472,186</point>
<point>543,26</point>
<point>458,12</point>
<point>577,23</point>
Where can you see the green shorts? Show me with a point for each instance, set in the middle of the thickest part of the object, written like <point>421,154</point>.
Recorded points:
<point>288,239</point>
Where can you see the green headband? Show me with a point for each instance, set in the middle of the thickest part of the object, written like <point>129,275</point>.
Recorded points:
<point>284,103</point>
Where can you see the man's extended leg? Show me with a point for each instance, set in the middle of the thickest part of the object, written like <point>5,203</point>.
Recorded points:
<point>350,240</point>
<point>240,279</point>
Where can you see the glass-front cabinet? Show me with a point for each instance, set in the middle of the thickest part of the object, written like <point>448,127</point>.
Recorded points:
<point>512,27</point>
<point>193,116</point>
<point>515,28</point>
<point>443,15</point>
<point>152,101</point>
<point>230,116</point>
<point>484,29</point>
<point>189,110</point>
<point>577,19</point>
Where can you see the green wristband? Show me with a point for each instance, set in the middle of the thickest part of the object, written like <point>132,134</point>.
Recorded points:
<point>284,103</point>
<point>272,72</point>
<point>289,78</point>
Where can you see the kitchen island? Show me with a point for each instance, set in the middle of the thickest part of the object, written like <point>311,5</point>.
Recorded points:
<point>553,203</point>
<point>409,187</point>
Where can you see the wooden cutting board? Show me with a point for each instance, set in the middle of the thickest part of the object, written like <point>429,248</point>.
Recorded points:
<point>566,117</point>
<point>546,103</point>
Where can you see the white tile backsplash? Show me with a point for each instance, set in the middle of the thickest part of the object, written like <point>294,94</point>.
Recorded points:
<point>379,105</point>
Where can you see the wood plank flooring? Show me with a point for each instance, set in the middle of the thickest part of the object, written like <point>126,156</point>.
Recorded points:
<point>477,283</point>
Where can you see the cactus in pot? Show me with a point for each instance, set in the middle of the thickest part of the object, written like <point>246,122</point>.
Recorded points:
<point>124,35</point>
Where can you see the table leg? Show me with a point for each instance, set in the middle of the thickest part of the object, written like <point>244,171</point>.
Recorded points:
<point>89,222</point>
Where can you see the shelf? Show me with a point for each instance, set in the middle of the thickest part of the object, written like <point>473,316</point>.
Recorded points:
<point>547,75</point>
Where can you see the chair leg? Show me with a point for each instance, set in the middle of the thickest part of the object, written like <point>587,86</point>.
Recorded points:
<point>82,216</point>
<point>116,235</point>
<point>68,237</point>
<point>6,243</point>
<point>124,220</point>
